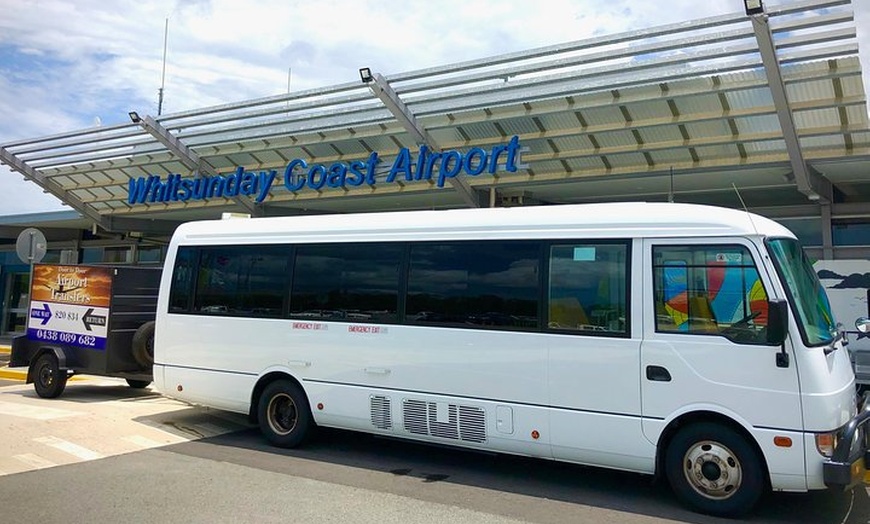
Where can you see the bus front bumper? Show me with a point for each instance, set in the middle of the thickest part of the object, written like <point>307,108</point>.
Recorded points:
<point>848,466</point>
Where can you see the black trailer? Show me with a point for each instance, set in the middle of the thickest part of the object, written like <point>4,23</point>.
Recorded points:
<point>95,320</point>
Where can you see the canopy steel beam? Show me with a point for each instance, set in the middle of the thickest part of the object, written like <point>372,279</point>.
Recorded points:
<point>809,182</point>
<point>50,186</point>
<point>187,156</point>
<point>382,89</point>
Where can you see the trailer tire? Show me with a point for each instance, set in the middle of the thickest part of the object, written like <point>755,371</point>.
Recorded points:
<point>143,344</point>
<point>49,380</point>
<point>138,384</point>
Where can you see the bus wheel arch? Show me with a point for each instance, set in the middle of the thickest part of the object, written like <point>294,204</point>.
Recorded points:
<point>281,408</point>
<point>707,436</point>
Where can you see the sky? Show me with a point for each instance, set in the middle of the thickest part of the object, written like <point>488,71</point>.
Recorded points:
<point>69,65</point>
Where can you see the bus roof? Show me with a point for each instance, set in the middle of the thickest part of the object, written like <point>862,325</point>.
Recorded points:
<point>606,220</point>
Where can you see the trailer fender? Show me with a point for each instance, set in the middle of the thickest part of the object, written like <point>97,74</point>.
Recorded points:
<point>58,353</point>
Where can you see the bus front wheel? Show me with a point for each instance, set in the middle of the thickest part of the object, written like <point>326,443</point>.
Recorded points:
<point>284,415</point>
<point>714,469</point>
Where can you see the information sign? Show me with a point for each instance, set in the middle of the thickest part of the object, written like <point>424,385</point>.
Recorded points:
<point>70,305</point>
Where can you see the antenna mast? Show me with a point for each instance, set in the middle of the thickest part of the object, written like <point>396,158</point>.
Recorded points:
<point>163,76</point>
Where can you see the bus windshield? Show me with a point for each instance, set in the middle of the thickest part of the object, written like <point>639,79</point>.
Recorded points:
<point>810,303</point>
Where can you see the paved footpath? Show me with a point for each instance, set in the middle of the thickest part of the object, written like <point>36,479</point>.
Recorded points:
<point>95,417</point>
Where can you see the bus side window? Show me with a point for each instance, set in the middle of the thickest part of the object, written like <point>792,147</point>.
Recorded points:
<point>710,290</point>
<point>587,288</point>
<point>182,280</point>
<point>248,280</point>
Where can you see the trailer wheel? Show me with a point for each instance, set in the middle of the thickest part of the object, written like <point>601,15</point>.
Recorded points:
<point>143,344</point>
<point>138,384</point>
<point>284,415</point>
<point>714,469</point>
<point>49,380</point>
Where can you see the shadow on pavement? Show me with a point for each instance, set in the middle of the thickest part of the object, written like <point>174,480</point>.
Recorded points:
<point>411,469</point>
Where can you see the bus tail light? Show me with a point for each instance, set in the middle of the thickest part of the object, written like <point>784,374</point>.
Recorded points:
<point>826,443</point>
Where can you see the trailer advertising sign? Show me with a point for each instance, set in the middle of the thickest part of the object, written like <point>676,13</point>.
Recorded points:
<point>70,305</point>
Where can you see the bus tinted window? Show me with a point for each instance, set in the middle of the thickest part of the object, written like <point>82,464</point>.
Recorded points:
<point>709,290</point>
<point>587,289</point>
<point>474,283</point>
<point>353,282</point>
<point>242,280</point>
<point>182,280</point>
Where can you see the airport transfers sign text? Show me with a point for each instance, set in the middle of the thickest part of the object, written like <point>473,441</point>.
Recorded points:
<point>299,175</point>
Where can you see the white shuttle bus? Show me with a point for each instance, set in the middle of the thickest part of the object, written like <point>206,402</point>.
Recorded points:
<point>686,341</point>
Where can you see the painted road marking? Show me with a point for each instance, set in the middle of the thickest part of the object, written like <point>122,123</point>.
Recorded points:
<point>143,442</point>
<point>34,412</point>
<point>68,447</point>
<point>34,461</point>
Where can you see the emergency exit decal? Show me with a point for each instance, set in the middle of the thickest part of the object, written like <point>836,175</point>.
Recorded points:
<point>70,305</point>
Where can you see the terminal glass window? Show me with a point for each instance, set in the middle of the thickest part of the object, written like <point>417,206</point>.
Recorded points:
<point>587,288</point>
<point>242,280</point>
<point>850,233</point>
<point>150,254</point>
<point>808,230</point>
<point>118,255</point>
<point>52,256</point>
<point>347,282</point>
<point>92,255</point>
<point>712,290</point>
<point>487,284</point>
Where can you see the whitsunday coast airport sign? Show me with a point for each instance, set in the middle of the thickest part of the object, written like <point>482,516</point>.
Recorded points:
<point>299,175</point>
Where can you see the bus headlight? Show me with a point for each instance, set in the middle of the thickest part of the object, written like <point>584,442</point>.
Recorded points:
<point>826,443</point>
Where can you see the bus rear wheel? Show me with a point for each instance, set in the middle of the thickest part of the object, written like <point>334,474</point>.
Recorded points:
<point>713,469</point>
<point>284,415</point>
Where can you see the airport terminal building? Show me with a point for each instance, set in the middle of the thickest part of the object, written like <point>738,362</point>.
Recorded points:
<point>763,109</point>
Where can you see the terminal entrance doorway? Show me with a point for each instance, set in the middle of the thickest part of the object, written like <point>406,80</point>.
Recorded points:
<point>15,303</point>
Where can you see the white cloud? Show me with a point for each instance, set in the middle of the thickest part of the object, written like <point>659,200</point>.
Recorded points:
<point>64,63</point>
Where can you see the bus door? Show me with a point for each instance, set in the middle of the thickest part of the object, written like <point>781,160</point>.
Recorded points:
<point>705,313</point>
<point>593,355</point>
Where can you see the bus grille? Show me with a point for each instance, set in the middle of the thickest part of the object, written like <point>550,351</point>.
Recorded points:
<point>381,417</point>
<point>466,423</point>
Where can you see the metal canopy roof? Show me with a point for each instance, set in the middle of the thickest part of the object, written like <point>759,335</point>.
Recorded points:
<point>693,110</point>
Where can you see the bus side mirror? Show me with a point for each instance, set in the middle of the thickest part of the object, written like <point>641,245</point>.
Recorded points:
<point>777,322</point>
<point>777,328</point>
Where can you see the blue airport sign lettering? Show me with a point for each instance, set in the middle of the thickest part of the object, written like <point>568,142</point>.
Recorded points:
<point>426,165</point>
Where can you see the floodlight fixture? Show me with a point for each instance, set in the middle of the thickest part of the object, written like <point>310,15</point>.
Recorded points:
<point>134,116</point>
<point>753,7</point>
<point>365,74</point>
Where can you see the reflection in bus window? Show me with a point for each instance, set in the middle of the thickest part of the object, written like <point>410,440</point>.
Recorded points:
<point>347,282</point>
<point>709,290</point>
<point>490,284</point>
<point>242,280</point>
<point>587,287</point>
